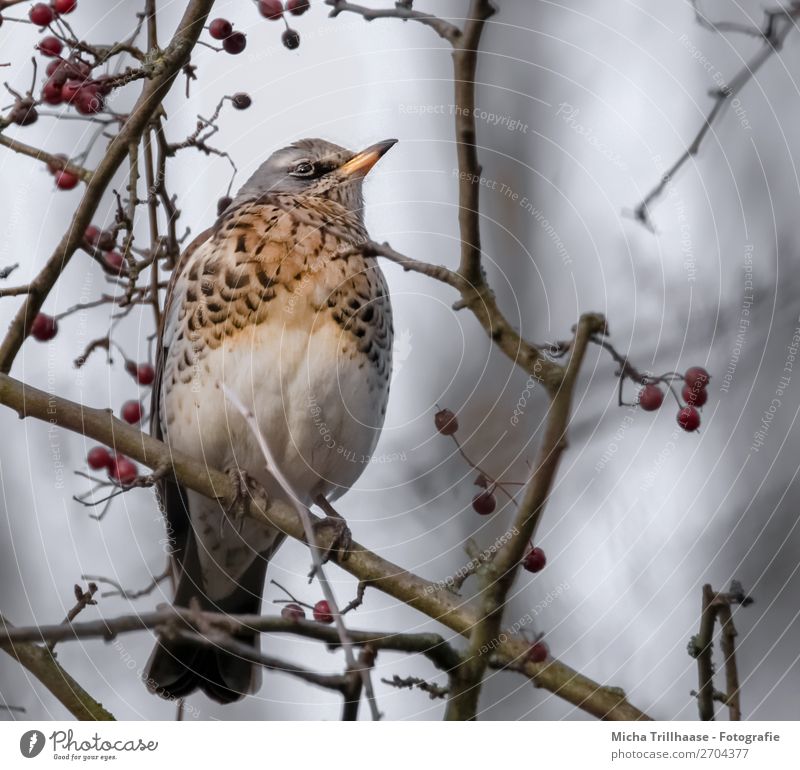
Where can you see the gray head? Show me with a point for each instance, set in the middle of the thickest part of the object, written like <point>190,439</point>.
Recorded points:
<point>314,167</point>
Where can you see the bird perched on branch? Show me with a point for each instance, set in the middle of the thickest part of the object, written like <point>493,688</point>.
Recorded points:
<point>277,304</point>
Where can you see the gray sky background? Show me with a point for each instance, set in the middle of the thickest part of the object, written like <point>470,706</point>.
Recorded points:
<point>592,100</point>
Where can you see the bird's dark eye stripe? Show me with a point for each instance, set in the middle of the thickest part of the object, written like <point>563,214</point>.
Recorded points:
<point>303,168</point>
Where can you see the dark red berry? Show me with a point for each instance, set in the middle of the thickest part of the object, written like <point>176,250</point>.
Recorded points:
<point>71,89</point>
<point>241,101</point>
<point>222,204</point>
<point>51,93</point>
<point>651,397</point>
<point>295,612</point>
<point>41,15</point>
<point>297,7</point>
<point>484,502</point>
<point>52,67</point>
<point>98,458</point>
<point>113,261</point>
<point>689,418</point>
<point>235,43</point>
<point>64,6</point>
<point>534,560</point>
<point>132,412</point>
<point>322,612</point>
<point>88,100</point>
<point>44,327</point>
<point>539,652</point>
<point>446,422</point>
<point>220,29</point>
<point>50,46</point>
<point>66,180</point>
<point>23,113</point>
<point>696,375</point>
<point>271,9</point>
<point>102,239</point>
<point>694,396</point>
<point>144,374</point>
<point>291,39</point>
<point>122,470</point>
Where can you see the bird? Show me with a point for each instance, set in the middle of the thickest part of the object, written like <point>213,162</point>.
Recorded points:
<point>279,303</point>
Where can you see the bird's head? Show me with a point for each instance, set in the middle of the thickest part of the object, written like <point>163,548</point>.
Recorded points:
<point>314,167</point>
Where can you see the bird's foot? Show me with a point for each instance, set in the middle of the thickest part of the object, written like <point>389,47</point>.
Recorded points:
<point>333,531</point>
<point>248,494</point>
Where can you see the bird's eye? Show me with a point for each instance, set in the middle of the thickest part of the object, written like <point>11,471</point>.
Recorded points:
<point>303,168</point>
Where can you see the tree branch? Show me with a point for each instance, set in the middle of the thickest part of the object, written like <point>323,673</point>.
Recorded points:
<point>43,665</point>
<point>366,566</point>
<point>443,28</point>
<point>499,573</point>
<point>778,24</point>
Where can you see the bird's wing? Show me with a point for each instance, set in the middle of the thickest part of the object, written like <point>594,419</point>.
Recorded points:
<point>172,496</point>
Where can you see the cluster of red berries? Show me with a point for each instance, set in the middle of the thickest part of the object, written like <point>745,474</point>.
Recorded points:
<point>234,42</point>
<point>104,241</point>
<point>70,82</point>
<point>694,394</point>
<point>321,612</point>
<point>120,468</point>
<point>42,14</point>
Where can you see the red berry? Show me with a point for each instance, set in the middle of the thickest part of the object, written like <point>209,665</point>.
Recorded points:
<point>52,67</point>
<point>297,7</point>
<point>484,502</point>
<point>271,9</point>
<point>122,470</point>
<point>689,419</point>
<point>44,327</point>
<point>102,239</point>
<point>88,100</point>
<point>50,46</point>
<point>220,29</point>
<point>64,6</point>
<point>534,560</point>
<point>114,261</point>
<point>71,89</point>
<point>694,396</point>
<point>51,93</point>
<point>446,422</point>
<point>651,397</point>
<point>144,374</point>
<point>132,412</point>
<point>539,652</point>
<point>696,375</point>
<point>66,180</point>
<point>41,15</point>
<point>296,612</point>
<point>291,39</point>
<point>99,457</point>
<point>235,43</point>
<point>322,612</point>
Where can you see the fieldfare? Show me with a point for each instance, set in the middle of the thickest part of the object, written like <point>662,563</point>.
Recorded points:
<point>276,302</point>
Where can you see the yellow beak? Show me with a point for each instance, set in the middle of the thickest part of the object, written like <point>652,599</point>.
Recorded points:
<point>359,165</point>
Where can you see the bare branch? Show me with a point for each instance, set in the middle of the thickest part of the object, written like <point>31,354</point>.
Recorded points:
<point>443,28</point>
<point>778,25</point>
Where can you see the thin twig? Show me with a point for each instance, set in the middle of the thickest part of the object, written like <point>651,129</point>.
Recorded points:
<point>311,539</point>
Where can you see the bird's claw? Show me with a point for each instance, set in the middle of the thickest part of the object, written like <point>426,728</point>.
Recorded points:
<point>247,492</point>
<point>338,542</point>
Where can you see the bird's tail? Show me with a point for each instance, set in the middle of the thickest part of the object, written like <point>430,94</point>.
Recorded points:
<point>177,668</point>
